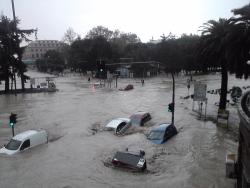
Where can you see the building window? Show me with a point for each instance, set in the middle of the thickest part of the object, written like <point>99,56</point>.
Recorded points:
<point>37,55</point>
<point>33,56</point>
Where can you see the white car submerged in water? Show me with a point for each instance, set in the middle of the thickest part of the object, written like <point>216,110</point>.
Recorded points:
<point>119,125</point>
<point>24,141</point>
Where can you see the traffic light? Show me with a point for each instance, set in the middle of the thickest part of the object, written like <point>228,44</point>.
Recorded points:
<point>101,69</point>
<point>13,119</point>
<point>171,107</point>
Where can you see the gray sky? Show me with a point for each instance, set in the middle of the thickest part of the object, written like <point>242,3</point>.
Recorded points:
<point>146,18</point>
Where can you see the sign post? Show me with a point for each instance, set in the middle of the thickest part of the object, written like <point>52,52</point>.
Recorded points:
<point>200,91</point>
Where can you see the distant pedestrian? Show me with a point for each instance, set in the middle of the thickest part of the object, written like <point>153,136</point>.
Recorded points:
<point>142,82</point>
<point>89,79</point>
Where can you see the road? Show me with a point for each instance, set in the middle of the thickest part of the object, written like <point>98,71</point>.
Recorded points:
<point>75,155</point>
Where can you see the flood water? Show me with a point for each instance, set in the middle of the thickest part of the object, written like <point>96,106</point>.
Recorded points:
<point>78,148</point>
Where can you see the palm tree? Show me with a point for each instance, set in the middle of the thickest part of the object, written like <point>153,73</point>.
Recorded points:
<point>241,35</point>
<point>243,13</point>
<point>214,44</point>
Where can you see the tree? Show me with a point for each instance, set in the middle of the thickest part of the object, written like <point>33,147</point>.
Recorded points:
<point>79,55</point>
<point>239,51</point>
<point>52,61</point>
<point>100,31</point>
<point>85,52</point>
<point>243,13</point>
<point>227,43</point>
<point>11,59</point>
<point>215,43</point>
<point>69,36</point>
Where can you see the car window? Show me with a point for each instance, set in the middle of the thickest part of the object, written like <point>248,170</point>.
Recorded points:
<point>120,126</point>
<point>146,118</point>
<point>135,120</point>
<point>156,135</point>
<point>13,144</point>
<point>25,144</point>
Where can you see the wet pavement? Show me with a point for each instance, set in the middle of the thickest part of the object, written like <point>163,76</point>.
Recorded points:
<point>79,147</point>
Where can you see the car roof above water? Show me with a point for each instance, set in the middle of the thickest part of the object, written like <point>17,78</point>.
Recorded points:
<point>161,127</point>
<point>115,122</point>
<point>128,158</point>
<point>139,114</point>
<point>26,134</point>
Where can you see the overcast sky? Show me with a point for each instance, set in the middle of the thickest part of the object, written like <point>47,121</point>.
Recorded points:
<point>146,18</point>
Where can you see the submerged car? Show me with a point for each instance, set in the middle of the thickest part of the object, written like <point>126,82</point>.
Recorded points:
<point>127,87</point>
<point>130,161</point>
<point>119,125</point>
<point>162,133</point>
<point>140,118</point>
<point>24,141</point>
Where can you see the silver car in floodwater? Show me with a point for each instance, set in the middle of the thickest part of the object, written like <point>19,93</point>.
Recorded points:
<point>119,125</point>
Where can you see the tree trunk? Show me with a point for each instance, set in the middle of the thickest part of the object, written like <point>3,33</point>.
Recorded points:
<point>224,81</point>
<point>7,84</point>
<point>22,82</point>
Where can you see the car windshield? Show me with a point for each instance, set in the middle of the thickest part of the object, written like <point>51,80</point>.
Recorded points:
<point>13,144</point>
<point>156,135</point>
<point>135,120</point>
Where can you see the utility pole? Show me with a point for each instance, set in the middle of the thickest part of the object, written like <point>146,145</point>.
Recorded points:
<point>14,18</point>
<point>173,98</point>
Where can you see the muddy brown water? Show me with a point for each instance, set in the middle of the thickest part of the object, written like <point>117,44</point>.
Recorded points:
<point>79,147</point>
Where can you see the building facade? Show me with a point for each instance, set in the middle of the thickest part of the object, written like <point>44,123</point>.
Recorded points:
<point>36,49</point>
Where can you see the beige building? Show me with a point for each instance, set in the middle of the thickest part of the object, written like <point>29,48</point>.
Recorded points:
<point>36,49</point>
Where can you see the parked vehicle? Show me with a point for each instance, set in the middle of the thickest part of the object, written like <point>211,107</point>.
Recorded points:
<point>162,133</point>
<point>140,118</point>
<point>130,161</point>
<point>24,141</point>
<point>119,125</point>
<point>127,87</point>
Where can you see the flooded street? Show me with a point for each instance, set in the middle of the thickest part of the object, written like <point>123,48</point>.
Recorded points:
<point>75,154</point>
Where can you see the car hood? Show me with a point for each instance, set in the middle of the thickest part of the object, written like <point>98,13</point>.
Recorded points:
<point>3,150</point>
<point>114,123</point>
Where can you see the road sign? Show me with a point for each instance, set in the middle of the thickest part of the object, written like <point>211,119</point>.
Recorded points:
<point>200,91</point>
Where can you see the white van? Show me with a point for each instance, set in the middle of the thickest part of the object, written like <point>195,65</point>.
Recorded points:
<point>24,141</point>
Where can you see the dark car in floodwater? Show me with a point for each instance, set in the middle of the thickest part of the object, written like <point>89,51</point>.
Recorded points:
<point>140,118</point>
<point>162,133</point>
<point>130,161</point>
